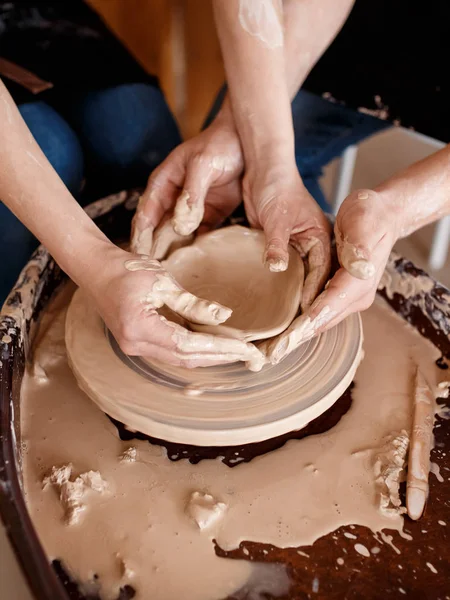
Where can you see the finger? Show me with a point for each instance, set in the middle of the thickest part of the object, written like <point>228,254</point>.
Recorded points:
<point>179,346</point>
<point>343,296</point>
<point>166,291</point>
<point>356,231</point>
<point>158,197</point>
<point>141,230</point>
<point>210,349</point>
<point>173,357</point>
<point>190,204</point>
<point>196,310</point>
<point>316,249</point>
<point>277,228</point>
<point>166,240</point>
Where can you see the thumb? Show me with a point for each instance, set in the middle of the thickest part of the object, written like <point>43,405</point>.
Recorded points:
<point>190,206</point>
<point>358,230</point>
<point>276,254</point>
<point>156,200</point>
<point>277,229</point>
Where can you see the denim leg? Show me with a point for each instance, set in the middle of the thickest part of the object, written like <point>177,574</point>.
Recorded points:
<point>61,147</point>
<point>126,131</point>
<point>57,141</point>
<point>323,131</point>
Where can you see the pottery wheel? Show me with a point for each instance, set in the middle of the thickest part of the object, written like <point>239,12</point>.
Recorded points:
<point>217,406</point>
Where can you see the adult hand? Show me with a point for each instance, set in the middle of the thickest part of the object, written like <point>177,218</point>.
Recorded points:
<point>277,201</point>
<point>197,184</point>
<point>128,292</point>
<point>365,230</point>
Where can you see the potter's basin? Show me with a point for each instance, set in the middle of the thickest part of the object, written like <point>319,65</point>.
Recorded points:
<point>38,283</point>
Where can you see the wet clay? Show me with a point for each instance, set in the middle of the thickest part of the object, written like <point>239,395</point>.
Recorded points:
<point>263,303</point>
<point>151,527</point>
<point>225,405</point>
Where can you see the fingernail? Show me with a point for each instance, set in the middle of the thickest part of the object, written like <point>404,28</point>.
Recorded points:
<point>276,265</point>
<point>361,269</point>
<point>220,313</point>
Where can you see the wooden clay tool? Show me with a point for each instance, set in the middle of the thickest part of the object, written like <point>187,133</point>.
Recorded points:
<point>420,447</point>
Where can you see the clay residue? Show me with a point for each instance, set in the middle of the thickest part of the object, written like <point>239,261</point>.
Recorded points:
<point>419,289</point>
<point>129,455</point>
<point>19,305</point>
<point>389,469</point>
<point>290,497</point>
<point>205,510</point>
<point>72,493</point>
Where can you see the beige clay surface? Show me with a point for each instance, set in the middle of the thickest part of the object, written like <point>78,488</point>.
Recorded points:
<point>150,522</point>
<point>226,267</point>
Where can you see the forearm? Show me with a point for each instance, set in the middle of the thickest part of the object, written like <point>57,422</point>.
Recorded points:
<point>35,194</point>
<point>419,194</point>
<point>310,26</point>
<point>257,83</point>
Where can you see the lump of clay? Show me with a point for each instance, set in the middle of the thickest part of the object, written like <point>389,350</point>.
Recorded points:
<point>390,472</point>
<point>205,510</point>
<point>72,494</point>
<point>226,266</point>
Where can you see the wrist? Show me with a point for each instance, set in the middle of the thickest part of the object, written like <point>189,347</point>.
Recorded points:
<point>266,145</point>
<point>88,267</point>
<point>394,209</point>
<point>277,165</point>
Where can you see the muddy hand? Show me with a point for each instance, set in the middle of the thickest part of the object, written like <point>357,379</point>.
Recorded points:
<point>365,231</point>
<point>277,201</point>
<point>197,186</point>
<point>128,295</point>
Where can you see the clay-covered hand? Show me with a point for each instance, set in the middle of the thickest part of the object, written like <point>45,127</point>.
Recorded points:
<point>277,201</point>
<point>128,293</point>
<point>365,230</point>
<point>197,184</point>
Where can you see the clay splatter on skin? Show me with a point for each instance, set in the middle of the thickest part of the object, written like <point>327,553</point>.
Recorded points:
<point>261,19</point>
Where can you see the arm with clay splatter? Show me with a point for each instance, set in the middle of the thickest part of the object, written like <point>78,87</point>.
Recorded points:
<point>367,226</point>
<point>126,288</point>
<point>261,81</point>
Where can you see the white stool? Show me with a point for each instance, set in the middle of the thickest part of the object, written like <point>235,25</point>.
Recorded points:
<point>343,185</point>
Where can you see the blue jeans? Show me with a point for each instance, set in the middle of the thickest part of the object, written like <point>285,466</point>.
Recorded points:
<point>112,138</point>
<point>323,131</point>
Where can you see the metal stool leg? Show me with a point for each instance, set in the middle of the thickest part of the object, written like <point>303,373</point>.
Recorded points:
<point>344,177</point>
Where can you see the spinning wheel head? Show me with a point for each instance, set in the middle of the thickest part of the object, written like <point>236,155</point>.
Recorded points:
<point>224,405</point>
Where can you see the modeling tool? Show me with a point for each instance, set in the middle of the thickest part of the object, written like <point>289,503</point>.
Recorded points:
<point>420,447</point>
